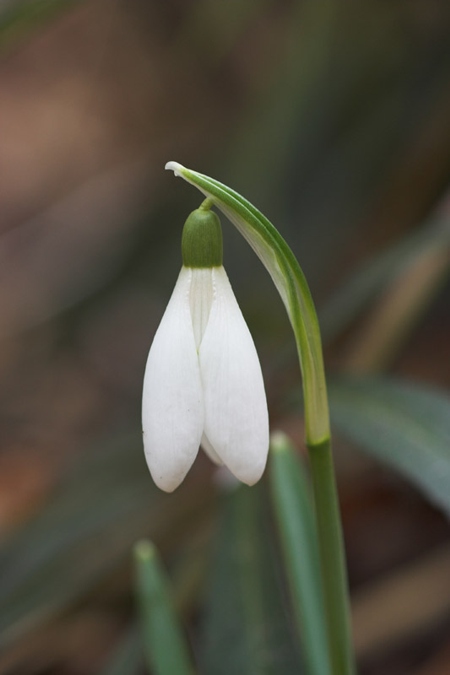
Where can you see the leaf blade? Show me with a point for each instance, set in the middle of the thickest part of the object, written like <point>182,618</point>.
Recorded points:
<point>247,628</point>
<point>292,500</point>
<point>407,427</point>
<point>164,644</point>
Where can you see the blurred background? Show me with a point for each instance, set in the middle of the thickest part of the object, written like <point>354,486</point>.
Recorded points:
<point>333,118</point>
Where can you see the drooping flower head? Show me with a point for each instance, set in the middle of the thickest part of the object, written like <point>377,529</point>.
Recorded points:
<point>203,382</point>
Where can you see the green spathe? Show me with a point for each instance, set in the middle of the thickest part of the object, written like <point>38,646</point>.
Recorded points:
<point>201,242</point>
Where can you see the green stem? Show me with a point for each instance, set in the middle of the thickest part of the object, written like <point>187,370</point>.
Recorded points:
<point>332,559</point>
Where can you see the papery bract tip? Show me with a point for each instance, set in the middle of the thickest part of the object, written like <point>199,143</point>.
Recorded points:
<point>175,167</point>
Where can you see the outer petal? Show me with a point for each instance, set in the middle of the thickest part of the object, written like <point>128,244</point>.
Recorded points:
<point>209,450</point>
<point>236,417</point>
<point>172,405</point>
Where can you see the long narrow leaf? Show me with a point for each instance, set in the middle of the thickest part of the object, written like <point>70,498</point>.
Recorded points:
<point>292,498</point>
<point>164,644</point>
<point>403,425</point>
<point>247,624</point>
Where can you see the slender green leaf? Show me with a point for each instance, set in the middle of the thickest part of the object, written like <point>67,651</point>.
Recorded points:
<point>292,498</point>
<point>247,626</point>
<point>164,644</point>
<point>406,426</point>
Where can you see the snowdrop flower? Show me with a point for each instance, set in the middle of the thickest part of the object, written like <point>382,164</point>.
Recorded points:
<point>203,382</point>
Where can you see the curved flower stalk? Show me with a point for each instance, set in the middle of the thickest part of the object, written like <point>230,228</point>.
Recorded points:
<point>291,284</point>
<point>203,382</point>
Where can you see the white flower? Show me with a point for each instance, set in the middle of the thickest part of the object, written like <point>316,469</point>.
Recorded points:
<point>203,384</point>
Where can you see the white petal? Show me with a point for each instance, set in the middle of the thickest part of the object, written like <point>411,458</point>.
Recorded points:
<point>236,417</point>
<point>172,405</point>
<point>209,450</point>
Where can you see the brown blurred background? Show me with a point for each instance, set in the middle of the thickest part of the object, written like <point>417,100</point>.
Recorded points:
<point>333,117</point>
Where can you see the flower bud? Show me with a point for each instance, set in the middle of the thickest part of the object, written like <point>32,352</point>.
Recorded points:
<point>201,243</point>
